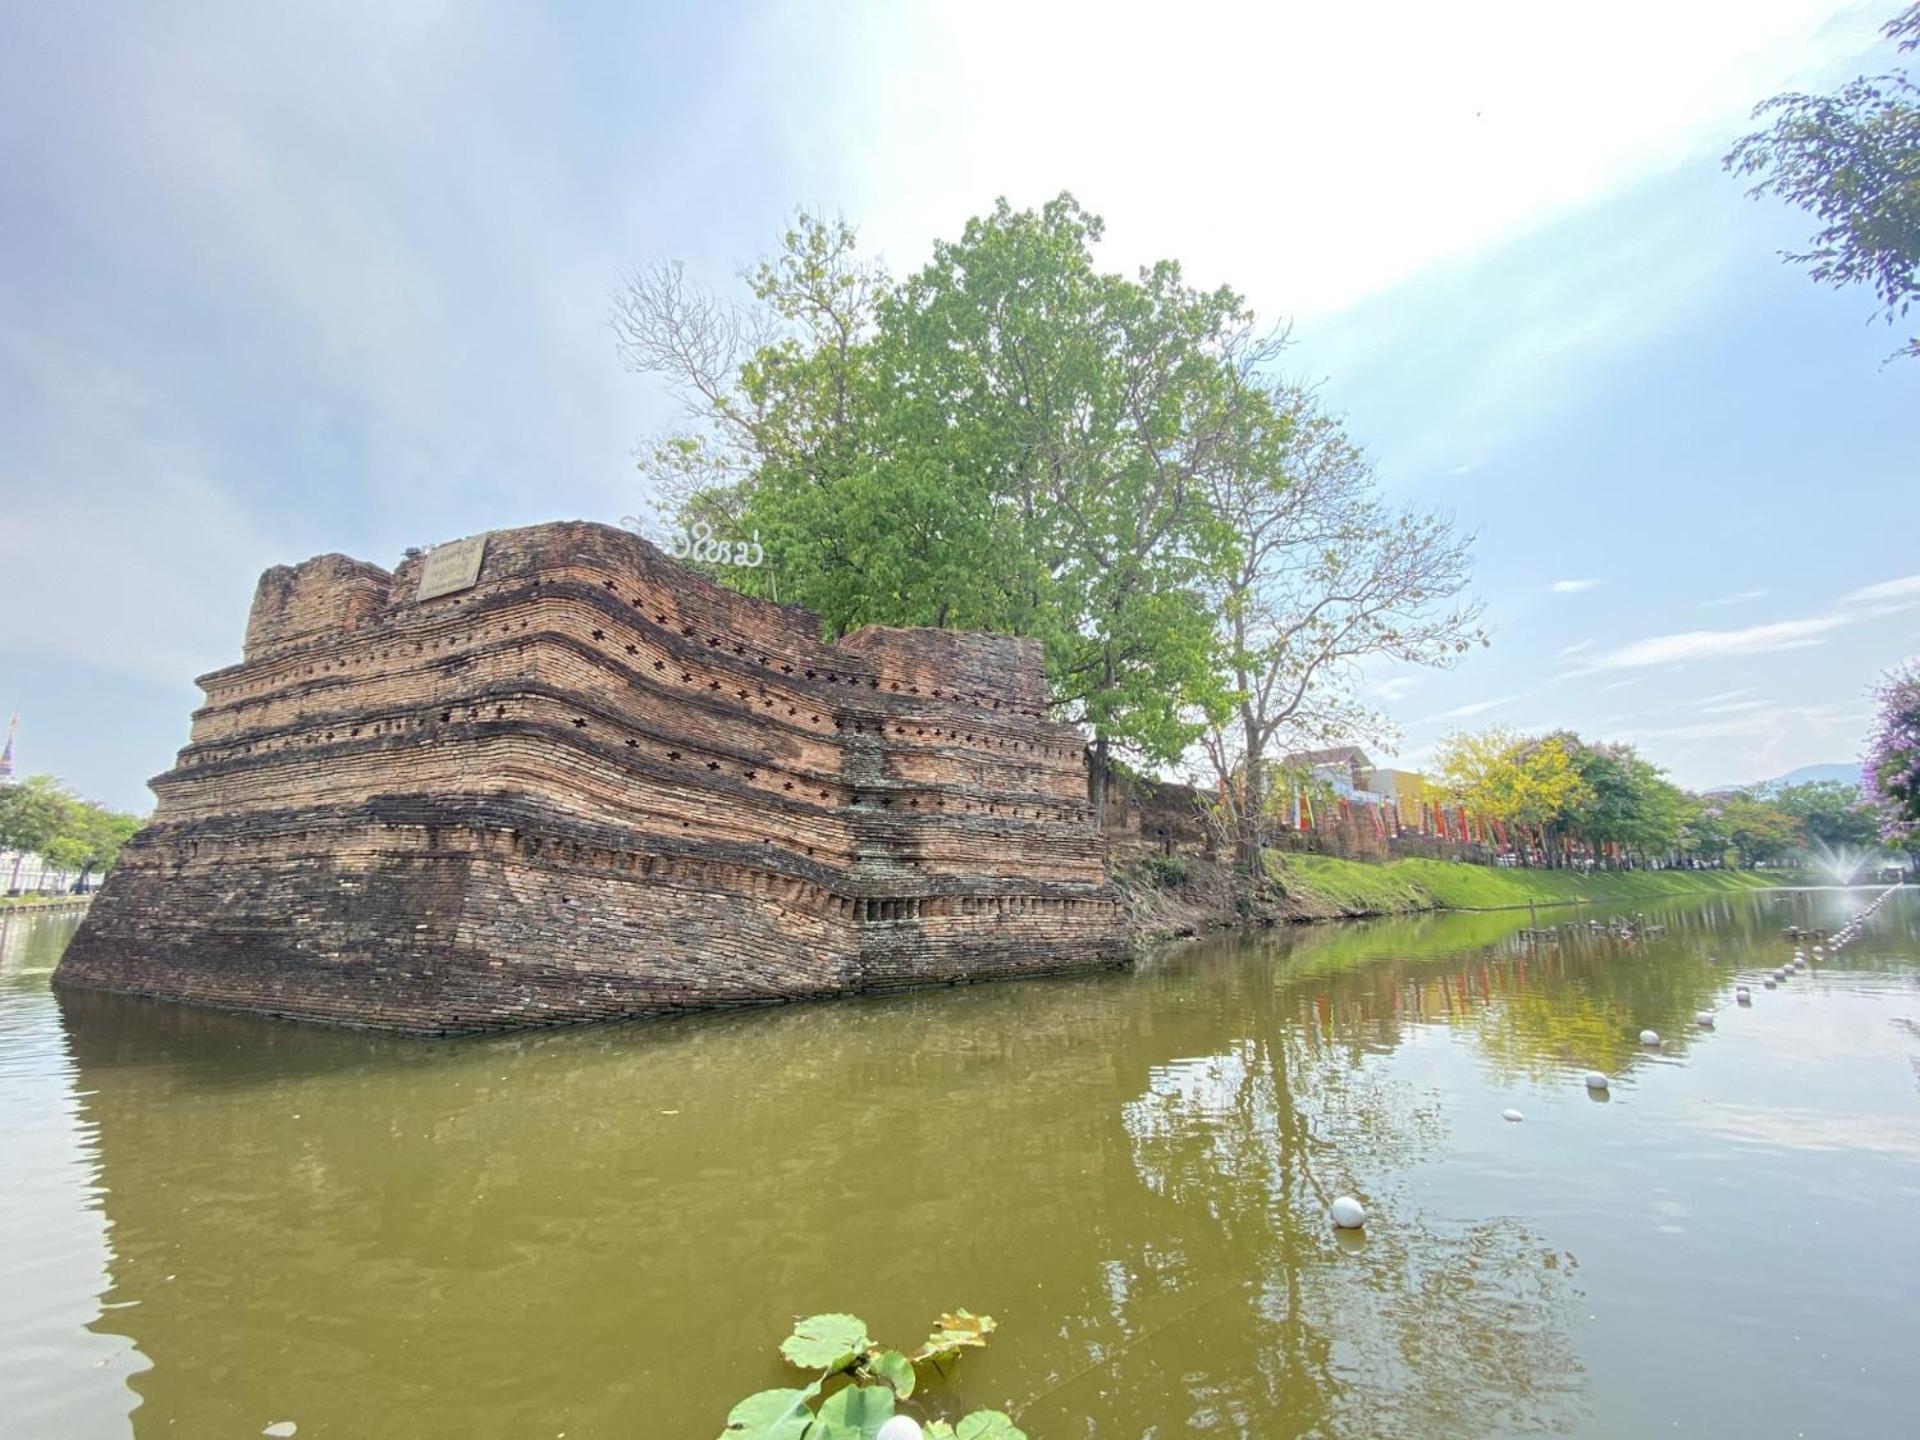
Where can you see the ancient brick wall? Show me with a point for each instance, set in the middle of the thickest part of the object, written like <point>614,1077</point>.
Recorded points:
<point>594,784</point>
<point>1155,817</point>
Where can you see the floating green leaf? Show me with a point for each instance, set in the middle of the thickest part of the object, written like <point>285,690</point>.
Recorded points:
<point>855,1413</point>
<point>826,1342</point>
<point>770,1415</point>
<point>894,1368</point>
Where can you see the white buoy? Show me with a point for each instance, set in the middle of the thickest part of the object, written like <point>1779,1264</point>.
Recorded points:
<point>1595,1080</point>
<point>1348,1213</point>
<point>1649,1037</point>
<point>1513,1115</point>
<point>1743,996</point>
<point>1704,1019</point>
<point>280,1428</point>
<point>900,1427</point>
<point>1771,983</point>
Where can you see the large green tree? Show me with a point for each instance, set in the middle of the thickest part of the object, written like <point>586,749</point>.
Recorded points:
<point>1830,813</point>
<point>33,814</point>
<point>1009,439</point>
<point>1703,829</point>
<point>1852,160</point>
<point>1759,830</point>
<point>1096,408</point>
<point>42,816</point>
<point>1627,800</point>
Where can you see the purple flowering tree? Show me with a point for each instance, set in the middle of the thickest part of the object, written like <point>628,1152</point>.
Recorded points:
<point>1891,766</point>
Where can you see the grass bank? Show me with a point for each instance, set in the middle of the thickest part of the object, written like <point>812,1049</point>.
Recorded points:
<point>1322,887</point>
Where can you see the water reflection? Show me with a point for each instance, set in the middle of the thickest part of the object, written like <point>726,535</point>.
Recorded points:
<point>63,1370</point>
<point>602,1232</point>
<point>1416,1328</point>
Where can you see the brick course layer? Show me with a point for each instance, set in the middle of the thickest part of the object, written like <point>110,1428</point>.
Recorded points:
<point>596,784</point>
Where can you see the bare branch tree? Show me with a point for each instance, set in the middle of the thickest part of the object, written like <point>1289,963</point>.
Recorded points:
<point>1326,577</point>
<point>729,363</point>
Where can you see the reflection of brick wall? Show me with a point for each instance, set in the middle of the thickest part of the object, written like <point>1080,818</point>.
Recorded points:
<point>596,784</point>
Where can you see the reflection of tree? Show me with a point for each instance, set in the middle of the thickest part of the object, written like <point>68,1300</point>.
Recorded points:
<point>1534,1008</point>
<point>1417,1330</point>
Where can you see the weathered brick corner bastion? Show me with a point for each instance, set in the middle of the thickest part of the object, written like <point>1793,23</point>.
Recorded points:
<point>581,781</point>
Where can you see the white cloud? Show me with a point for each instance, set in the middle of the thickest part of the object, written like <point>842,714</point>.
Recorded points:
<point>1905,588</point>
<point>1738,597</point>
<point>1395,688</point>
<point>1579,647</point>
<point>1571,587</point>
<point>1715,749</point>
<point>1693,645</point>
<point>1769,721</point>
<point>1477,707</point>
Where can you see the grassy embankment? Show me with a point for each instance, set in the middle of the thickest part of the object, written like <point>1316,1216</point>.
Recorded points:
<point>1323,886</point>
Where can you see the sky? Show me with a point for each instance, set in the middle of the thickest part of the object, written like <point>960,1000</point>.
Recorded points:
<point>283,280</point>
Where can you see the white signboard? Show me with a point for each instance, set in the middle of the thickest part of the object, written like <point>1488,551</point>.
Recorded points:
<point>452,567</point>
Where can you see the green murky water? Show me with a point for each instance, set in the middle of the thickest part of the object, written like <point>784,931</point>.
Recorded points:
<point>212,1223</point>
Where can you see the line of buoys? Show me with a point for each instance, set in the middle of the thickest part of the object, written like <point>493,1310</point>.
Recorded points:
<point>1347,1213</point>
<point>1850,931</point>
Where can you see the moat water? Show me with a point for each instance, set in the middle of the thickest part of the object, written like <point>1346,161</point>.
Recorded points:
<point>212,1223</point>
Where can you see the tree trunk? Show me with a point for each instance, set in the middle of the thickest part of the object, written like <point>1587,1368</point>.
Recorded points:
<point>1097,781</point>
<point>1253,809</point>
<point>1097,776</point>
<point>1252,839</point>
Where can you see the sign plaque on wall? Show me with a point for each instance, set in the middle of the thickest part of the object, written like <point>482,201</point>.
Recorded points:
<point>452,567</point>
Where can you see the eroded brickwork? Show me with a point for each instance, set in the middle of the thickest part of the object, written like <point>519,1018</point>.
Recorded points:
<point>596,784</point>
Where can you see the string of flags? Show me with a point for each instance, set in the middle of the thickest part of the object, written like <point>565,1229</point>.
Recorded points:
<point>1436,820</point>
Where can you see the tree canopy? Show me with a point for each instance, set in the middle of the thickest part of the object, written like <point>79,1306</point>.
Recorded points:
<point>40,815</point>
<point>1892,765</point>
<point>1831,813</point>
<point>1013,439</point>
<point>1515,779</point>
<point>1852,160</point>
<point>1608,797</point>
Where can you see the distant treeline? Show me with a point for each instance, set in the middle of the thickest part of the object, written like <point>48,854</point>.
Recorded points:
<point>1563,792</point>
<point>42,816</point>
